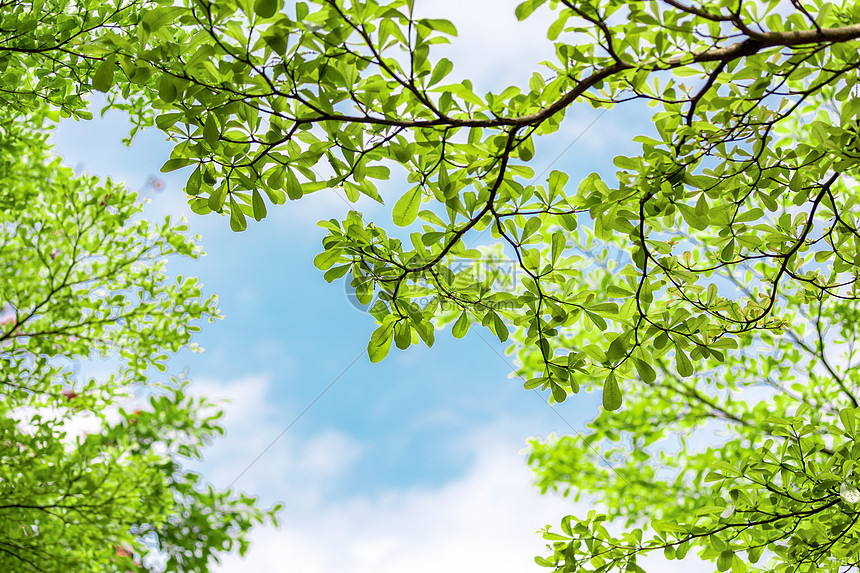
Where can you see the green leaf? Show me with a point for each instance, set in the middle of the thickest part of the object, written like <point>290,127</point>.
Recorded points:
<point>335,273</point>
<point>611,393</point>
<point>682,363</point>
<point>402,335</point>
<point>380,343</point>
<point>426,331</point>
<point>211,133</point>
<point>442,69</point>
<point>157,18</point>
<point>498,325</point>
<point>406,209</point>
<point>669,552</point>
<point>192,187</point>
<point>277,40</point>
<point>461,327</point>
<point>702,207</point>
<point>274,187</point>
<point>294,188</point>
<point>167,120</point>
<point>724,561</point>
<point>167,89</point>
<point>439,25</point>
<point>237,218</point>
<point>755,553</point>
<point>556,28</point>
<point>265,8</point>
<point>557,180</point>
<point>531,259</point>
<point>768,201</point>
<point>526,150</point>
<point>525,9</point>
<point>694,220</point>
<point>258,206</point>
<point>728,252</point>
<point>216,198</point>
<point>846,415</point>
<point>559,240</point>
<point>103,76</point>
<point>327,258</point>
<point>646,372</point>
<point>176,163</point>
<point>617,349</point>
<point>597,320</point>
<point>753,214</point>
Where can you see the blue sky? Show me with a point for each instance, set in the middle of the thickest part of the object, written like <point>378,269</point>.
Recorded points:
<point>412,463</point>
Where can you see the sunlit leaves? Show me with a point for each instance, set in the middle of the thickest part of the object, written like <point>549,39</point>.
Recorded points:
<point>733,220</point>
<point>258,206</point>
<point>461,327</point>
<point>438,24</point>
<point>293,187</point>
<point>211,133</point>
<point>380,343</point>
<point>442,69</point>
<point>497,324</point>
<point>86,279</point>
<point>524,9</point>
<point>406,208</point>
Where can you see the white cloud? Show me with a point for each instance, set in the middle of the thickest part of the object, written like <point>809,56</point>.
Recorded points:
<point>486,520</point>
<point>483,520</point>
<point>492,48</point>
<point>296,472</point>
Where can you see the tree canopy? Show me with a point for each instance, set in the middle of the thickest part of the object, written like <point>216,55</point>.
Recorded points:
<point>84,279</point>
<point>722,256</point>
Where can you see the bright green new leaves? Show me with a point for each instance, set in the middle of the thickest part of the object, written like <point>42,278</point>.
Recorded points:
<point>436,24</point>
<point>442,69</point>
<point>525,9</point>
<point>380,343</point>
<point>497,324</point>
<point>77,293</point>
<point>83,278</point>
<point>734,224</point>
<point>284,111</point>
<point>461,327</point>
<point>774,480</point>
<point>724,561</point>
